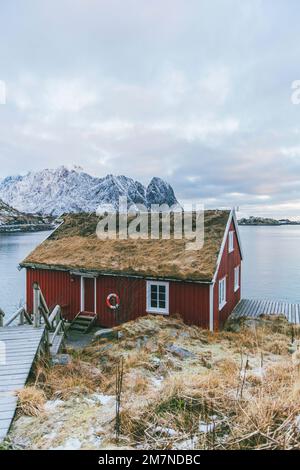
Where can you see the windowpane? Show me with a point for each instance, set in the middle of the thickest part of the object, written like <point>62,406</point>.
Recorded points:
<point>222,292</point>
<point>162,296</point>
<point>162,304</point>
<point>236,278</point>
<point>153,290</point>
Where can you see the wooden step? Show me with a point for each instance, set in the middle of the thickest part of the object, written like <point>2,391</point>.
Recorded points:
<point>83,322</point>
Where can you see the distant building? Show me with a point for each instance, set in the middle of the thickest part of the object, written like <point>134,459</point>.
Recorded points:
<point>120,280</point>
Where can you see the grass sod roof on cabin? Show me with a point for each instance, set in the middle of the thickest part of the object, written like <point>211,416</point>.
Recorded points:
<point>75,246</point>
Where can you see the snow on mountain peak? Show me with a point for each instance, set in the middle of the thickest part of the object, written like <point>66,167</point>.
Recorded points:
<point>60,190</point>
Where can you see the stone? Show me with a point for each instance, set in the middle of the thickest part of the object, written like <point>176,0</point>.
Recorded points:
<point>155,362</point>
<point>180,352</point>
<point>107,333</point>
<point>61,359</point>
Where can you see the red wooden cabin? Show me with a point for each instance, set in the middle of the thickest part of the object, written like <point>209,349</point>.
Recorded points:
<point>80,272</point>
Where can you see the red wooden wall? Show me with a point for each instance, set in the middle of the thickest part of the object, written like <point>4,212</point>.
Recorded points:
<point>189,300</point>
<point>228,262</point>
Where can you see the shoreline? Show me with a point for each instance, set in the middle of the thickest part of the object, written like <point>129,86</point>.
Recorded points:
<point>26,228</point>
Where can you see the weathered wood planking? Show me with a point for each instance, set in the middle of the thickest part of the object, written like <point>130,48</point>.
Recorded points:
<point>16,358</point>
<point>256,307</point>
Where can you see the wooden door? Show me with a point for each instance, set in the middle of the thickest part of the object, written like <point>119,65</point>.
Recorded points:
<point>89,294</point>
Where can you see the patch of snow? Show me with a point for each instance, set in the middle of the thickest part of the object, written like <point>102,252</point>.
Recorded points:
<point>51,405</point>
<point>258,372</point>
<point>157,381</point>
<point>166,431</point>
<point>208,427</point>
<point>102,399</point>
<point>188,444</point>
<point>52,435</point>
<point>70,444</point>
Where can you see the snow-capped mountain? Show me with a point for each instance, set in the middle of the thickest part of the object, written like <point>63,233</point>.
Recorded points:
<point>61,190</point>
<point>13,220</point>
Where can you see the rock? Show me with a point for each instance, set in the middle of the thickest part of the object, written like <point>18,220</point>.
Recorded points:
<point>155,362</point>
<point>105,348</point>
<point>292,349</point>
<point>180,352</point>
<point>141,342</point>
<point>107,333</point>
<point>61,360</point>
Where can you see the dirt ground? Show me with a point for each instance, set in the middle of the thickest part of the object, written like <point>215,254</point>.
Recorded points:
<point>182,388</point>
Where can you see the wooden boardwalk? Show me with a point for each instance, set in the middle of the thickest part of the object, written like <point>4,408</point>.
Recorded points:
<point>255,307</point>
<point>19,346</point>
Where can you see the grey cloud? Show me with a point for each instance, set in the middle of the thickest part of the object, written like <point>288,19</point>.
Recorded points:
<point>197,92</point>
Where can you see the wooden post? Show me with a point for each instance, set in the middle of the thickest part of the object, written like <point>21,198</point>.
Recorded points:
<point>21,321</point>
<point>2,315</point>
<point>36,305</point>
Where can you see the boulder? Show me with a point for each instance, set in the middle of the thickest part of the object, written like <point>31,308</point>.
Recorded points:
<point>180,352</point>
<point>61,359</point>
<point>107,333</point>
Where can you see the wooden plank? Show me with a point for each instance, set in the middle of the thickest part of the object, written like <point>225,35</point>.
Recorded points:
<point>247,308</point>
<point>253,308</point>
<point>22,344</point>
<point>7,414</point>
<point>257,307</point>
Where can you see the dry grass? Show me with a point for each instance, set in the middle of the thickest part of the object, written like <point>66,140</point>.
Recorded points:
<point>75,245</point>
<point>31,401</point>
<point>62,382</point>
<point>234,391</point>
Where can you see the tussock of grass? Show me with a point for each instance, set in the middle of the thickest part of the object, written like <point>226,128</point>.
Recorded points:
<point>31,401</point>
<point>76,378</point>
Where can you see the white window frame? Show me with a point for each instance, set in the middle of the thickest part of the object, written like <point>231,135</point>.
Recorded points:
<point>222,293</point>
<point>163,311</point>
<point>231,241</point>
<point>236,278</point>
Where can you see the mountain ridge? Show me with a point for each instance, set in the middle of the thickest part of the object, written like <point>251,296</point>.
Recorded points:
<point>12,220</point>
<point>63,190</point>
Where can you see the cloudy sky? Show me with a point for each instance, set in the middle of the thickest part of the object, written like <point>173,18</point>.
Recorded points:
<point>197,92</point>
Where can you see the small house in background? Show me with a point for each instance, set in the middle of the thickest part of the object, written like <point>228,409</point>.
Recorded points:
<point>120,280</point>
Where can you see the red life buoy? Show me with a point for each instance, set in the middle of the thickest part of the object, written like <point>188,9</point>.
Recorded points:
<point>117,301</point>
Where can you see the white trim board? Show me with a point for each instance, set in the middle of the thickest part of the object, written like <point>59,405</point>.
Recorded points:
<point>211,307</point>
<point>232,217</point>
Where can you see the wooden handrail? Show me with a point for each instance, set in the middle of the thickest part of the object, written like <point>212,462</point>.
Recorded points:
<point>14,316</point>
<point>43,302</point>
<point>46,318</point>
<point>57,330</point>
<point>55,313</point>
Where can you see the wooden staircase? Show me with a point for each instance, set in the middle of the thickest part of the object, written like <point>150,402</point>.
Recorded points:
<point>83,322</point>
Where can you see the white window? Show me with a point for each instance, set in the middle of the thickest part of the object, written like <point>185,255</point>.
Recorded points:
<point>158,297</point>
<point>222,293</point>
<point>236,278</point>
<point>231,241</point>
